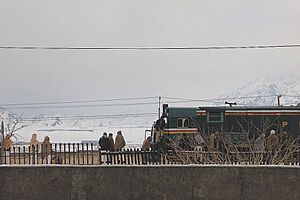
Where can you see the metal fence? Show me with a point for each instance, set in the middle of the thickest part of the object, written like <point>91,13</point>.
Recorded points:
<point>90,154</point>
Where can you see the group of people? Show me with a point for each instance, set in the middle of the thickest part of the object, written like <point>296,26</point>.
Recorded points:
<point>35,145</point>
<point>269,143</point>
<point>216,141</point>
<point>107,143</point>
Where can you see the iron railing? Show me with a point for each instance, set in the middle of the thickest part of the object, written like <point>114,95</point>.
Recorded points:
<point>90,154</point>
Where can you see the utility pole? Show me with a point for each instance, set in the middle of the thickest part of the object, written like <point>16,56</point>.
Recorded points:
<point>159,102</point>
<point>278,100</point>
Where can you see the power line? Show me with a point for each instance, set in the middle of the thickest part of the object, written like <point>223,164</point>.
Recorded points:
<point>82,106</point>
<point>150,48</point>
<point>298,96</point>
<point>89,117</point>
<point>79,101</point>
<point>57,105</point>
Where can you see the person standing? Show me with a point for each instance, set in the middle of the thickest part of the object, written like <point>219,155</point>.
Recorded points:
<point>7,142</point>
<point>260,143</point>
<point>119,141</point>
<point>46,150</point>
<point>146,157</point>
<point>34,142</point>
<point>199,142</point>
<point>111,142</point>
<point>104,142</point>
<point>104,145</point>
<point>212,140</point>
<point>147,143</point>
<point>272,141</point>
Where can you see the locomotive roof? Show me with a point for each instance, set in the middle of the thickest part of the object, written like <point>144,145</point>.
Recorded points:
<point>250,108</point>
<point>192,111</point>
<point>235,108</point>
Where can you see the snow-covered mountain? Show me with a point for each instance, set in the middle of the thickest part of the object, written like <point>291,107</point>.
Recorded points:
<point>264,91</point>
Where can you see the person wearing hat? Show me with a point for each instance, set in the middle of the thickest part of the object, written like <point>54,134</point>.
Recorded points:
<point>7,142</point>
<point>34,142</point>
<point>272,141</point>
<point>46,150</point>
<point>104,143</point>
<point>111,142</point>
<point>119,141</point>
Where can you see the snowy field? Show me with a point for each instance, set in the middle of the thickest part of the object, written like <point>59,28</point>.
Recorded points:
<point>62,130</point>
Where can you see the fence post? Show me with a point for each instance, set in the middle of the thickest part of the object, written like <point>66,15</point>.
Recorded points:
<point>4,150</point>
<point>82,148</point>
<point>37,154</point>
<point>33,154</point>
<point>50,154</point>
<point>121,157</point>
<point>87,153</point>
<point>14,149</point>
<point>135,158</point>
<point>73,146</point>
<point>78,154</point>
<point>19,153</point>
<point>111,156</point>
<point>92,147</point>
<point>143,157</point>
<point>99,152</point>
<point>65,145</point>
<point>114,157</point>
<point>69,151</point>
<point>131,156</point>
<point>55,153</point>
<point>29,155</point>
<point>138,156</point>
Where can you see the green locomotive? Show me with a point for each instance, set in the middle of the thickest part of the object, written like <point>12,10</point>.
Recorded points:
<point>232,121</point>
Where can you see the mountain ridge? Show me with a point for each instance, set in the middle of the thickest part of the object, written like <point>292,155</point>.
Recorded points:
<point>264,92</point>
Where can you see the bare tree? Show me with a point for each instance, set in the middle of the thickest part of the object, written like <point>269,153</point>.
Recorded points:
<point>13,123</point>
<point>222,150</point>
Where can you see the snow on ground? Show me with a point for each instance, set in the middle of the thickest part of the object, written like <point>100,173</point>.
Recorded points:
<point>62,129</point>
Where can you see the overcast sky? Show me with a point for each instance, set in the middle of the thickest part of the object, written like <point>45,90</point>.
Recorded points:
<point>45,75</point>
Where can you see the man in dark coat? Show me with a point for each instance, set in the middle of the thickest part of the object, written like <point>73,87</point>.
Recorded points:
<point>104,142</point>
<point>111,142</point>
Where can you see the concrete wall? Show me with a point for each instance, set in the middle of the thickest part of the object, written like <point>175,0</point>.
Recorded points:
<point>152,182</point>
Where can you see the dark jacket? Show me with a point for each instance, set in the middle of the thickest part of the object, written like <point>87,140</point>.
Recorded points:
<point>104,143</point>
<point>111,143</point>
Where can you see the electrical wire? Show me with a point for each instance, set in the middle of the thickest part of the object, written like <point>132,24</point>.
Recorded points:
<point>298,96</point>
<point>126,115</point>
<point>79,101</point>
<point>150,48</point>
<point>61,104</point>
<point>82,106</point>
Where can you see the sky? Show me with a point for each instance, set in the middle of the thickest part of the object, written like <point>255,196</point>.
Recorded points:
<point>63,75</point>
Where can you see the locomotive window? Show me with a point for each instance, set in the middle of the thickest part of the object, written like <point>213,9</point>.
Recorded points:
<point>215,117</point>
<point>182,122</point>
